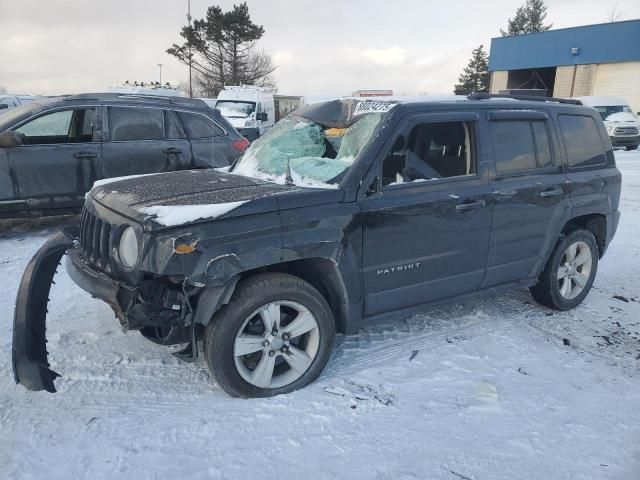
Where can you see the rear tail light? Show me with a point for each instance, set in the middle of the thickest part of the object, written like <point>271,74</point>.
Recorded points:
<point>240,144</point>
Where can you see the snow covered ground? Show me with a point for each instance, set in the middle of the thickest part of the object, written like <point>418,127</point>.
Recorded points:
<point>493,389</point>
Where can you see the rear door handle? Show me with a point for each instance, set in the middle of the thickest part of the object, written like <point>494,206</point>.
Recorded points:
<point>552,193</point>
<point>471,205</point>
<point>172,150</point>
<point>85,155</point>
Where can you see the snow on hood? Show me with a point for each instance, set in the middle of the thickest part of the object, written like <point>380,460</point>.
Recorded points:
<point>172,215</point>
<point>105,181</point>
<point>208,189</point>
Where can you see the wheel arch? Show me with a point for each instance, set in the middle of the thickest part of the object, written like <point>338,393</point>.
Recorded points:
<point>596,223</point>
<point>322,273</point>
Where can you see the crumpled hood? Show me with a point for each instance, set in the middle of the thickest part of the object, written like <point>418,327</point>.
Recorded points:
<point>132,196</point>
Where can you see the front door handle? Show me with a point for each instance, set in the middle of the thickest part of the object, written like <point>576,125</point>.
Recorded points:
<point>171,150</point>
<point>85,155</point>
<point>556,192</point>
<point>471,205</point>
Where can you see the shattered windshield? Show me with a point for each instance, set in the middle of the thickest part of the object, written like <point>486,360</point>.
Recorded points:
<point>307,153</point>
<point>235,109</point>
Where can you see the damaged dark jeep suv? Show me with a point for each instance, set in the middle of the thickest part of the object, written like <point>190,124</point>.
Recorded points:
<point>345,213</point>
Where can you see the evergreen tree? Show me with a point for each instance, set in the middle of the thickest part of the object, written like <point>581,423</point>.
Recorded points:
<point>529,18</point>
<point>222,50</point>
<point>475,76</point>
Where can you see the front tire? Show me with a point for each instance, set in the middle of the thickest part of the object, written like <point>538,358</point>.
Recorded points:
<point>275,336</point>
<point>570,271</point>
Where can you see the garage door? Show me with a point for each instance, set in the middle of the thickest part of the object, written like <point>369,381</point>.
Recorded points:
<point>619,80</point>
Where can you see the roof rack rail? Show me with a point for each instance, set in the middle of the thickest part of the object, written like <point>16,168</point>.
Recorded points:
<point>532,98</point>
<point>149,96</point>
<point>110,96</point>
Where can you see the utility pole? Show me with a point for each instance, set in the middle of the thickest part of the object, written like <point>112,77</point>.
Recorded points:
<point>160,66</point>
<point>189,48</point>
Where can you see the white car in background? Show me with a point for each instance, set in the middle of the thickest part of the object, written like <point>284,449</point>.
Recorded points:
<point>8,102</point>
<point>622,125</point>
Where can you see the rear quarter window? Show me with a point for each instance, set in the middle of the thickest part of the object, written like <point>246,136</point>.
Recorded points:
<point>582,141</point>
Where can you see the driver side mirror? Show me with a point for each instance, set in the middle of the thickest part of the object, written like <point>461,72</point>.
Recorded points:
<point>11,139</point>
<point>262,116</point>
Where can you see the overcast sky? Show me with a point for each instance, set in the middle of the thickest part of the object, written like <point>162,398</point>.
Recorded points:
<point>322,48</point>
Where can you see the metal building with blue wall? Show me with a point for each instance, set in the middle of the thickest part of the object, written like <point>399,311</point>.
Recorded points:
<point>601,60</point>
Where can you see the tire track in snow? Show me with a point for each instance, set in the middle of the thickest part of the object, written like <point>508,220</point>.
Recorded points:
<point>377,346</point>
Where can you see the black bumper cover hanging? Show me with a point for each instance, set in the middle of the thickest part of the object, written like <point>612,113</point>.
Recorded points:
<point>29,349</point>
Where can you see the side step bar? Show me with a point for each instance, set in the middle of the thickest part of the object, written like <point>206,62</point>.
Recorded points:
<point>29,350</point>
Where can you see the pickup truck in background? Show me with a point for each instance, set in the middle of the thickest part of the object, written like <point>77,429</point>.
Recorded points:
<point>254,110</point>
<point>621,123</point>
<point>8,102</point>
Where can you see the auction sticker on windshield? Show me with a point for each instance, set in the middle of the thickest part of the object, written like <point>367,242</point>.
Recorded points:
<point>369,107</point>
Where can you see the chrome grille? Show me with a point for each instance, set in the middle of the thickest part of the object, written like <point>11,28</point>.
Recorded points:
<point>95,241</point>
<point>626,131</point>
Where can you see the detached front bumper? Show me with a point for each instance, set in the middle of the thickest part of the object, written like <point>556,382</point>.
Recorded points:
<point>29,349</point>
<point>29,352</point>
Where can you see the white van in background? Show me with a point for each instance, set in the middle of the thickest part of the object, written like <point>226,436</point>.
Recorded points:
<point>254,110</point>
<point>8,102</point>
<point>622,125</point>
<point>211,102</point>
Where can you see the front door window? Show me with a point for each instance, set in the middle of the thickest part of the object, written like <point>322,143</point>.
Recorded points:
<point>432,151</point>
<point>63,126</point>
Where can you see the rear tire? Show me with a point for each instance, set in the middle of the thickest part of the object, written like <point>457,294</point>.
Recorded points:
<point>275,336</point>
<point>570,271</point>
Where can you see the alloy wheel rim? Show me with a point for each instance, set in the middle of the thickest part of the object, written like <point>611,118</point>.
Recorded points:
<point>574,270</point>
<point>276,344</point>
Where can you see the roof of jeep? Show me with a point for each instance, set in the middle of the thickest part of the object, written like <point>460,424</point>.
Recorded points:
<point>344,111</point>
<point>488,100</point>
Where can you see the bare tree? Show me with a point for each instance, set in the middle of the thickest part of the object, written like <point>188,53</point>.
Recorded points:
<point>615,15</point>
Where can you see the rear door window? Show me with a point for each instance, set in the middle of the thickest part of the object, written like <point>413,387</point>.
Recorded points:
<point>582,140</point>
<point>130,123</point>
<point>172,127</point>
<point>199,126</point>
<point>521,146</point>
<point>543,146</point>
<point>514,146</point>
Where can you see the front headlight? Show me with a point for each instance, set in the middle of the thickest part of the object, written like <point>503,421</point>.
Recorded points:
<point>611,130</point>
<point>128,248</point>
<point>249,122</point>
